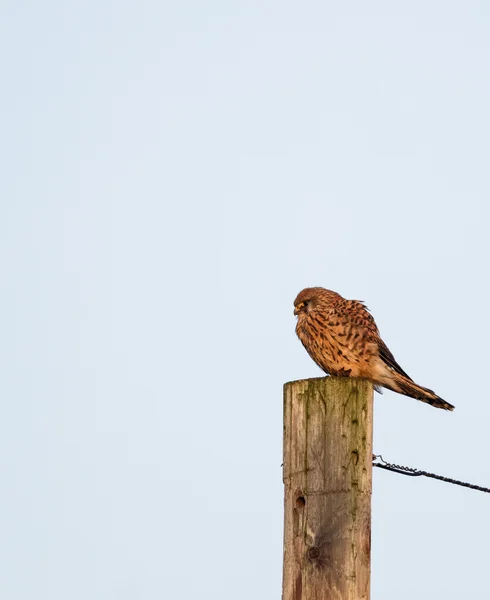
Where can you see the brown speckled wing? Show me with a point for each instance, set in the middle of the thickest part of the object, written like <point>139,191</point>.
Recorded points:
<point>353,333</point>
<point>374,337</point>
<point>360,322</point>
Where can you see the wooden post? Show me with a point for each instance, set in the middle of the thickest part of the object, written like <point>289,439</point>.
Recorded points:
<point>328,425</point>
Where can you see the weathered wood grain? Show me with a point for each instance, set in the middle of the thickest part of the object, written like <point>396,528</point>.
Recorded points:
<point>328,477</point>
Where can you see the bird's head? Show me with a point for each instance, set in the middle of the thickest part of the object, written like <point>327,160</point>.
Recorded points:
<point>314,298</point>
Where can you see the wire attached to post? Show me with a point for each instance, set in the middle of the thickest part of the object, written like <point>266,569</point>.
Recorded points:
<point>418,473</point>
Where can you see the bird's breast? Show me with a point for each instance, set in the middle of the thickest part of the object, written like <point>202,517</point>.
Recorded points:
<point>332,347</point>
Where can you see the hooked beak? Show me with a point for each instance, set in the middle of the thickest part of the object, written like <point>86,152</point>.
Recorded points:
<point>298,307</point>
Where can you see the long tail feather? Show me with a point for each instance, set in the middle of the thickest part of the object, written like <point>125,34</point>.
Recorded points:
<point>405,386</point>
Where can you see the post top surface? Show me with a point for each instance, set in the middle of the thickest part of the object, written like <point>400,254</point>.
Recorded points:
<point>329,380</point>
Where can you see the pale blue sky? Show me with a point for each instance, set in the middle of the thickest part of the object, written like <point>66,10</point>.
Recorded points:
<point>173,174</point>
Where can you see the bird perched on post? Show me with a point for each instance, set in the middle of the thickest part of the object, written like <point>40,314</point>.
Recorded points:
<point>341,336</point>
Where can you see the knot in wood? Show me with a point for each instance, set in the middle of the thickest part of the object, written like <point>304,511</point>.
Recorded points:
<point>313,553</point>
<point>300,501</point>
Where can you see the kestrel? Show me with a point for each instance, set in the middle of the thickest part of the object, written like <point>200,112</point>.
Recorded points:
<point>341,336</point>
